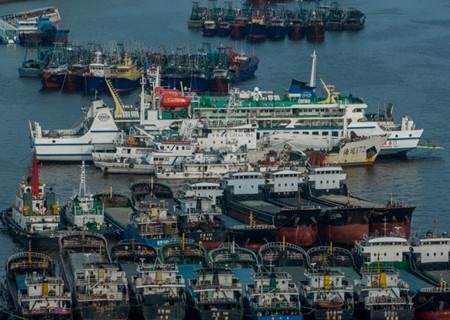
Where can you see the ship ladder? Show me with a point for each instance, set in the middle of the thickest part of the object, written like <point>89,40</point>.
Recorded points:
<point>118,109</point>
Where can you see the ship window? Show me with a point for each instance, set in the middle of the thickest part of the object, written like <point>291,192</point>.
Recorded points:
<point>315,133</point>
<point>305,132</point>
<point>334,133</point>
<point>324,133</point>
<point>385,254</point>
<point>398,254</point>
<point>428,254</point>
<point>435,254</point>
<point>396,135</point>
<point>53,141</point>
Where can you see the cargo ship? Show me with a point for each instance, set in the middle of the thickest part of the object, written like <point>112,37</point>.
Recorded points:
<point>36,292</point>
<point>431,262</point>
<point>200,220</point>
<point>215,294</point>
<point>99,287</point>
<point>160,290</point>
<point>272,295</point>
<point>35,215</point>
<point>294,222</point>
<point>367,217</point>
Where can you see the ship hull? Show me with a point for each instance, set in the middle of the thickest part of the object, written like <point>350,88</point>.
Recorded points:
<point>238,31</point>
<point>153,307</point>
<point>38,242</point>
<point>315,33</point>
<point>257,33</point>
<point>296,32</point>
<point>276,33</point>
<point>305,236</point>
<point>385,314</point>
<point>104,312</point>
<point>124,85</point>
<point>392,221</point>
<point>344,226</point>
<point>233,314</point>
<point>95,84</point>
<point>30,73</point>
<point>323,314</point>
<point>52,81</point>
<point>432,305</point>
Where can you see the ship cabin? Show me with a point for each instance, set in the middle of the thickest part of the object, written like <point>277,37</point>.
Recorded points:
<point>196,207</point>
<point>432,250</point>
<point>44,295</point>
<point>318,280</point>
<point>209,280</point>
<point>36,211</point>
<point>203,189</point>
<point>158,278</point>
<point>383,250</point>
<point>99,280</point>
<point>98,68</point>
<point>154,222</point>
<point>225,137</point>
<point>244,183</point>
<point>382,283</point>
<point>284,182</point>
<point>326,179</point>
<point>87,210</point>
<point>269,288</point>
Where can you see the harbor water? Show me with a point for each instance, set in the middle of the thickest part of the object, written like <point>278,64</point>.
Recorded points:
<point>400,57</point>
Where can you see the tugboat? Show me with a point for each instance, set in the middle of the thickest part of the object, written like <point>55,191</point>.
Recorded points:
<point>98,72</point>
<point>200,220</point>
<point>83,211</point>
<point>231,256</point>
<point>315,30</point>
<point>215,294</point>
<point>125,77</point>
<point>36,292</point>
<point>160,289</point>
<point>272,296</point>
<point>99,287</point>
<point>35,216</point>
<point>184,252</point>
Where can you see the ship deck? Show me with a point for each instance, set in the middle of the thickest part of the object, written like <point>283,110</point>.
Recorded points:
<point>415,283</point>
<point>119,217</point>
<point>261,205</point>
<point>352,201</point>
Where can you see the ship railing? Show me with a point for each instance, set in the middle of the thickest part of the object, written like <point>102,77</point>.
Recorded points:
<point>276,305</point>
<point>214,286</point>
<point>64,296</point>
<point>211,300</point>
<point>153,281</point>
<point>31,280</point>
<point>383,300</point>
<point>48,310</point>
<point>102,297</point>
<point>260,291</point>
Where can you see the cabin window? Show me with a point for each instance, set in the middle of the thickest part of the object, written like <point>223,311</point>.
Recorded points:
<point>305,132</point>
<point>315,133</point>
<point>335,133</point>
<point>428,254</point>
<point>324,133</point>
<point>398,254</point>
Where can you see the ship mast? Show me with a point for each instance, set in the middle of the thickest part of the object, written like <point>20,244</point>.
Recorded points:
<point>34,177</point>
<point>312,80</point>
<point>82,189</point>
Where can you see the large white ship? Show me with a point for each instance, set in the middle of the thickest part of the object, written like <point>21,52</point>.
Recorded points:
<point>97,129</point>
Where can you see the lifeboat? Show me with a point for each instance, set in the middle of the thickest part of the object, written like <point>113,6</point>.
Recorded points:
<point>170,101</point>
<point>163,91</point>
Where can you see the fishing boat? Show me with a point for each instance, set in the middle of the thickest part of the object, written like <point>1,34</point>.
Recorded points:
<point>223,28</point>
<point>257,29</point>
<point>392,218</point>
<point>200,219</point>
<point>239,28</point>
<point>209,28</point>
<point>273,295</point>
<point>147,190</point>
<point>30,69</point>
<point>84,212</point>
<point>315,29</point>
<point>243,67</point>
<point>37,293</point>
<point>296,28</point>
<point>74,78</point>
<point>99,287</point>
<point>125,77</point>
<point>196,18</point>
<point>230,256</point>
<point>354,20</point>
<point>95,77</point>
<point>52,77</point>
<point>334,18</point>
<point>160,290</point>
<point>215,294</point>
<point>96,129</point>
<point>276,30</point>
<point>35,215</point>
<point>184,251</point>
